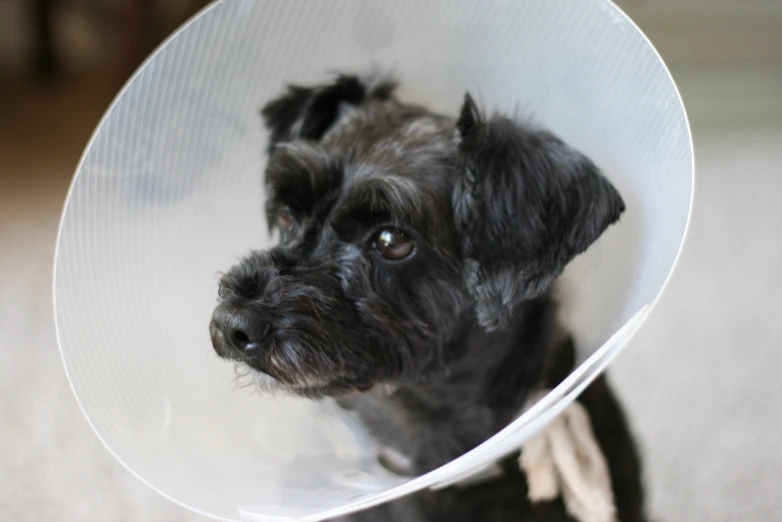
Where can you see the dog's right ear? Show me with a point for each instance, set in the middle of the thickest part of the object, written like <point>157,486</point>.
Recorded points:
<point>308,112</point>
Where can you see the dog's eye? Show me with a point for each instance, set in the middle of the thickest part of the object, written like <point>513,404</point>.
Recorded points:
<point>393,244</point>
<point>285,218</point>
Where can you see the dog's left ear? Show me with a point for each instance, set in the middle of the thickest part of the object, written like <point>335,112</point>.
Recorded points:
<point>525,205</point>
<point>308,112</point>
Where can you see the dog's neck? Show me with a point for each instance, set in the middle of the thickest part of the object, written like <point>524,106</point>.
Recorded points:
<point>422,426</point>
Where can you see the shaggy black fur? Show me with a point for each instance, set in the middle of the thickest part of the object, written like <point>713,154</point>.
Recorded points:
<point>412,282</point>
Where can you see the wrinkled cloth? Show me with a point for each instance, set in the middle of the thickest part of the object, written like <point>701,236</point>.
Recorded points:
<point>565,460</point>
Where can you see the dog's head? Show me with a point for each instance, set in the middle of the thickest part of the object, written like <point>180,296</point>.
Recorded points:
<point>400,230</point>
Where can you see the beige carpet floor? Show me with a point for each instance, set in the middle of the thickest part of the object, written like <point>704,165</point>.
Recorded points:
<point>701,380</point>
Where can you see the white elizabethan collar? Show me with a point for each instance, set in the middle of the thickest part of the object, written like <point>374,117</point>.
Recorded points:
<point>168,193</point>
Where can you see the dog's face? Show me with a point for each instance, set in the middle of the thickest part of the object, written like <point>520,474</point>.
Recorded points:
<point>400,230</point>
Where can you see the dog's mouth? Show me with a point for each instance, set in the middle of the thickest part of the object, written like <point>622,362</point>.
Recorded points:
<point>249,374</point>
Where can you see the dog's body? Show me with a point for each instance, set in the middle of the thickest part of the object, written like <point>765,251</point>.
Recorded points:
<point>412,283</point>
<point>430,425</point>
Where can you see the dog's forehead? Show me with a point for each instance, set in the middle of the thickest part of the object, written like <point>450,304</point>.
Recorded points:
<point>382,160</point>
<point>397,159</point>
<point>390,134</point>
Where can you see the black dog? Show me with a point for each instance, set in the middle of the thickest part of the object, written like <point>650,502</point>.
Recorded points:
<point>412,282</point>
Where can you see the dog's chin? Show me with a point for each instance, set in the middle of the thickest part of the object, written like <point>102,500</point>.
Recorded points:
<point>310,388</point>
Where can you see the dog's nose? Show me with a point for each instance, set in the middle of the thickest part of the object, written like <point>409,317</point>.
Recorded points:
<point>237,329</point>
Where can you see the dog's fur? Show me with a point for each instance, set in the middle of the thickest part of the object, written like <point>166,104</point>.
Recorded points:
<point>439,350</point>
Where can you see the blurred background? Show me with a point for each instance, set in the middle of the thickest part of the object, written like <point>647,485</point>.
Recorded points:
<point>700,381</point>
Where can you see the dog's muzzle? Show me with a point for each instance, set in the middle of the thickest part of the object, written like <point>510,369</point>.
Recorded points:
<point>237,332</point>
